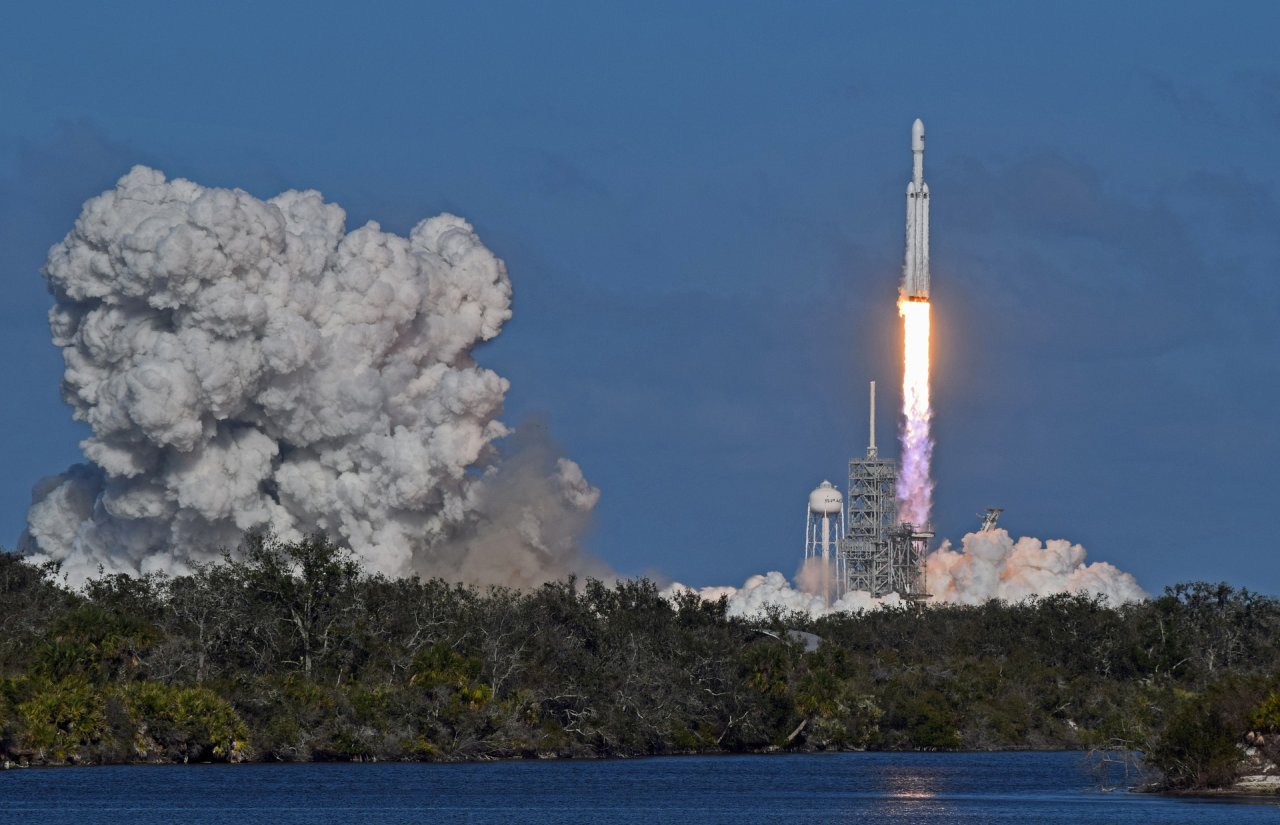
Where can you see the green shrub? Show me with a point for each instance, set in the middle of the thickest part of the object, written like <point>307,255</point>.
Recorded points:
<point>186,723</point>
<point>62,721</point>
<point>1197,747</point>
<point>1266,717</point>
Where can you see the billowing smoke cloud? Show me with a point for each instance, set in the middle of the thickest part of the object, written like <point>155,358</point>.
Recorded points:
<point>248,364</point>
<point>992,565</point>
<point>988,566</point>
<point>772,590</point>
<point>533,502</point>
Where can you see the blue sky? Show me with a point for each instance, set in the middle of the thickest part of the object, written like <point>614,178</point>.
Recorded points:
<point>701,204</point>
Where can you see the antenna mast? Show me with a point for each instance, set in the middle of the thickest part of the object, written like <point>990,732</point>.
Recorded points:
<point>871,443</point>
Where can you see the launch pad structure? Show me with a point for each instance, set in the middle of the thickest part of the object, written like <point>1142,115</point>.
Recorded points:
<point>879,554</point>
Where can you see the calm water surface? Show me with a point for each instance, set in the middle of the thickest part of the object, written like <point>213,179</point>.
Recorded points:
<point>862,787</point>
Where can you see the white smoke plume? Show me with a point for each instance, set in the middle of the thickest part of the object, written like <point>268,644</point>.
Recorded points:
<point>992,565</point>
<point>988,566</point>
<point>772,590</point>
<point>248,364</point>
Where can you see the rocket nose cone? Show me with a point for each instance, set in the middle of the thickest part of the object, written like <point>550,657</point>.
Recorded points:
<point>917,136</point>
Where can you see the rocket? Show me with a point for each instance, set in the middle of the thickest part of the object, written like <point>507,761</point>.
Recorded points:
<point>915,270</point>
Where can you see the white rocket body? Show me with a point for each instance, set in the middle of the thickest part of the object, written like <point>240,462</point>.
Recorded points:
<point>915,270</point>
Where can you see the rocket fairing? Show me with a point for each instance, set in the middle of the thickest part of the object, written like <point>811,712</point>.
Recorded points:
<point>915,270</point>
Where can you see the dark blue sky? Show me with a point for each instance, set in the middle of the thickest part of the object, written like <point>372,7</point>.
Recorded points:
<point>701,208</point>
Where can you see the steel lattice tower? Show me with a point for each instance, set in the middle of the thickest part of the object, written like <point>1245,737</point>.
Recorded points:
<point>907,547</point>
<point>880,555</point>
<point>873,514</point>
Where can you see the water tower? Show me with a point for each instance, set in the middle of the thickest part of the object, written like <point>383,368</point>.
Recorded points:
<point>824,526</point>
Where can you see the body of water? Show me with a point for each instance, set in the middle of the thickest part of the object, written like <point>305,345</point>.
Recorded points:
<point>863,787</point>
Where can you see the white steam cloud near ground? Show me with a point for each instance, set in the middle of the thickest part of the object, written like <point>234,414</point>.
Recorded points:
<point>989,565</point>
<point>248,364</point>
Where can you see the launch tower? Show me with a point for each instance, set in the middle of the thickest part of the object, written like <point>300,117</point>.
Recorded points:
<point>879,555</point>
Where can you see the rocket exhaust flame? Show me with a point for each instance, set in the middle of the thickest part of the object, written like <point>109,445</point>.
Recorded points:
<point>915,484</point>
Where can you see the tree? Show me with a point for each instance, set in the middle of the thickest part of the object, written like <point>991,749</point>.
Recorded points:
<point>299,595</point>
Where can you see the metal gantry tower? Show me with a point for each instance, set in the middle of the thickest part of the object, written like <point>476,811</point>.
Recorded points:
<point>908,545</point>
<point>873,513</point>
<point>880,555</point>
<point>990,519</point>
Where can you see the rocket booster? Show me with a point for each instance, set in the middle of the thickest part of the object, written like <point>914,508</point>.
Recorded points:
<point>915,270</point>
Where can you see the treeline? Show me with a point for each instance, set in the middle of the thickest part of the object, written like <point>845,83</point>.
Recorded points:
<point>287,651</point>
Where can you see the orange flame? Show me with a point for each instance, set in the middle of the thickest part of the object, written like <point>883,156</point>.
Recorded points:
<point>915,485</point>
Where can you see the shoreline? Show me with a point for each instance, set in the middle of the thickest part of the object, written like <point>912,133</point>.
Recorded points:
<point>1260,787</point>
<point>9,764</point>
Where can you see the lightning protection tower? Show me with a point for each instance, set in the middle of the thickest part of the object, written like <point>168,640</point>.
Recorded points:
<point>824,525</point>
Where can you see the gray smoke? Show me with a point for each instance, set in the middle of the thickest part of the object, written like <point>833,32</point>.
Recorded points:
<point>247,364</point>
